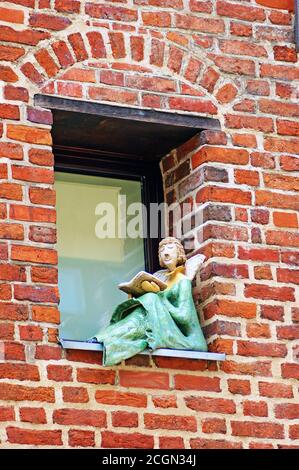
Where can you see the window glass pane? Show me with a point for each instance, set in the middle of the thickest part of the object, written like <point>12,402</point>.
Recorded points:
<point>90,268</point>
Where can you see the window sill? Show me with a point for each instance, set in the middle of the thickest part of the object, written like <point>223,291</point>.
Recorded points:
<point>84,345</point>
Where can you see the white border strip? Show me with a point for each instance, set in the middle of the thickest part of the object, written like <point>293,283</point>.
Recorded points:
<point>84,345</point>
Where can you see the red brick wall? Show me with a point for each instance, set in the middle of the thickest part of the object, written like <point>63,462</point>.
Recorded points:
<point>231,60</point>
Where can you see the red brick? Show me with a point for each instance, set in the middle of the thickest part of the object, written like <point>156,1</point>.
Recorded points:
<point>233,65</point>
<point>34,437</point>
<point>209,79</point>
<point>258,330</point>
<point>79,438</point>
<point>239,387</point>
<point>107,94</point>
<point>254,429</point>
<point>290,257</point>
<point>11,231</point>
<point>236,121</point>
<point>290,371</point>
<point>124,419</point>
<point>275,390</point>
<point>289,163</point>
<point>287,411</point>
<point>115,398</point>
<point>175,59</point>
<point>32,214</point>
<point>211,405</point>
<point>189,382</point>
<point>35,255</point>
<point>214,193</point>
<point>117,44</point>
<point>6,330</point>
<point>282,238</point>
<point>165,401</point>
<point>77,43</point>
<point>184,423</point>
<point>144,379</point>
<point>59,373</point>
<point>67,6</point>
<point>193,69</point>
<point>45,352</point>
<point>287,127</point>
<point>255,368</point>
<point>200,443</point>
<point>171,443</point>
<point>73,90</point>
<point>294,431</point>
<point>243,48</point>
<point>112,440</point>
<point>25,36</point>
<point>11,191</point>
<point>274,144</point>
<point>7,413</point>
<point>285,219</point>
<point>258,254</point>
<point>63,54</point>
<point>137,48</point>
<point>157,52</point>
<point>24,393</point>
<point>230,308</point>
<point>33,415</point>
<point>10,53</point>
<point>258,87</point>
<point>277,200</point>
<point>96,376</point>
<point>284,90</point>
<point>29,134</point>
<point>6,73</point>
<point>242,12</point>
<point>9,311</point>
<point>32,73</point>
<point>214,425</point>
<point>285,54</point>
<point>78,417</point>
<point>204,25</point>
<point>41,157</point>
<point>90,357</point>
<point>278,107</point>
<point>250,348</point>
<point>280,17</point>
<point>255,408</point>
<point>218,154</point>
<point>52,22</point>
<point>19,371</point>
<point>16,93</point>
<point>75,395</point>
<point>116,13</point>
<point>279,71</point>
<point>263,160</point>
<point>158,19</point>
<point>226,93</point>
<point>248,177</point>
<point>240,29</point>
<point>30,333</point>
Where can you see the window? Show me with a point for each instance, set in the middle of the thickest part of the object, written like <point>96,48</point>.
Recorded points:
<point>91,267</point>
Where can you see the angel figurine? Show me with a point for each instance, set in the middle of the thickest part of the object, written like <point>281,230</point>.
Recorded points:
<point>162,316</point>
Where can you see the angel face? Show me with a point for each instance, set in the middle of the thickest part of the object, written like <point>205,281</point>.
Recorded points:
<point>169,255</point>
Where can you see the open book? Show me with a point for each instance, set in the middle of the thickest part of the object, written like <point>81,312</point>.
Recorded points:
<point>134,286</point>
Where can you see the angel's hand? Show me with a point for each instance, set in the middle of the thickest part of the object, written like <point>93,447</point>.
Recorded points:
<point>148,286</point>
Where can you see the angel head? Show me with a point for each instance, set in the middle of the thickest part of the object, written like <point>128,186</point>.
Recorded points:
<point>171,253</point>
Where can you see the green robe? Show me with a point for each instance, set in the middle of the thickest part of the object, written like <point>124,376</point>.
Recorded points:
<point>166,319</point>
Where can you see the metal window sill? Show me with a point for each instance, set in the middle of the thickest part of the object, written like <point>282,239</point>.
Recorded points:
<point>84,345</point>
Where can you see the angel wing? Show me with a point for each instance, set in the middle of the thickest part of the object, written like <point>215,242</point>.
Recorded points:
<point>192,265</point>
